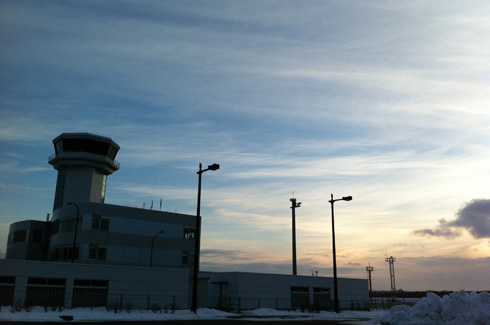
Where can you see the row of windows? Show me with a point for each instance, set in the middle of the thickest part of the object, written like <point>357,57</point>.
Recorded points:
<point>62,253</point>
<point>97,252</point>
<point>66,225</point>
<point>20,236</point>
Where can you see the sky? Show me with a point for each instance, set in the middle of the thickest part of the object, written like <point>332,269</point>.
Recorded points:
<point>387,102</point>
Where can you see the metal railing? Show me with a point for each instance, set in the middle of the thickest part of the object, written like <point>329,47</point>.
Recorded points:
<point>114,162</point>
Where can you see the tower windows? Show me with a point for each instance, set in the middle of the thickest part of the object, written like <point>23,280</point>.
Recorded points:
<point>104,183</point>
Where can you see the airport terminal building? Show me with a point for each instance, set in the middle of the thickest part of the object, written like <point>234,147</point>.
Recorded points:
<point>94,254</point>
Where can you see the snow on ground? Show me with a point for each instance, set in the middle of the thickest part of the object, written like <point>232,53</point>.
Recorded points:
<point>101,314</point>
<point>456,308</point>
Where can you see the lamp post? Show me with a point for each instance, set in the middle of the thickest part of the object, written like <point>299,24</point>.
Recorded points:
<point>152,241</point>
<point>76,230</point>
<point>294,205</point>
<point>197,246</point>
<point>335,285</point>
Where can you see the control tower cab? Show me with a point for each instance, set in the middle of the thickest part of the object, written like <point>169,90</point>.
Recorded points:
<point>83,161</point>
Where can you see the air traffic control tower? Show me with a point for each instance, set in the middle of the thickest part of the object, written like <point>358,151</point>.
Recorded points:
<point>83,161</point>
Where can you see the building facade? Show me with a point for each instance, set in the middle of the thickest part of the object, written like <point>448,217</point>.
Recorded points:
<point>92,254</point>
<point>83,229</point>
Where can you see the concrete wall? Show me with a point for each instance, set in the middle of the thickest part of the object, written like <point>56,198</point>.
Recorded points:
<point>274,290</point>
<point>144,287</point>
<point>140,286</point>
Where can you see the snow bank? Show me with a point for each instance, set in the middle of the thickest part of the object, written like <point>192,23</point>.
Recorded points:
<point>457,308</point>
<point>38,314</point>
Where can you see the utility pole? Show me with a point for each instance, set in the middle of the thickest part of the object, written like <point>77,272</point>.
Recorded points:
<point>294,205</point>
<point>392,261</point>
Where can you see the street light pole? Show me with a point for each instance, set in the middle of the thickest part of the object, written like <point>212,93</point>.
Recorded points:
<point>76,230</point>
<point>335,284</point>
<point>197,237</point>
<point>294,205</point>
<point>152,241</point>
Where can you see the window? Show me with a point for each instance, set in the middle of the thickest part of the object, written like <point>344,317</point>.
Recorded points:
<point>300,289</point>
<point>67,225</point>
<point>97,252</point>
<point>55,227</point>
<point>59,147</point>
<point>100,222</point>
<point>44,281</point>
<point>187,258</point>
<point>111,153</point>
<point>104,183</point>
<point>189,233</point>
<point>19,236</point>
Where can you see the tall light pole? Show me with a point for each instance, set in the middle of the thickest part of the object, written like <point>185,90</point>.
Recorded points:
<point>76,230</point>
<point>294,205</point>
<point>197,246</point>
<point>152,241</point>
<point>335,285</point>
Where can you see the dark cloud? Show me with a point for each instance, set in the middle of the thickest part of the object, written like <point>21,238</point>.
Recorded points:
<point>443,230</point>
<point>474,217</point>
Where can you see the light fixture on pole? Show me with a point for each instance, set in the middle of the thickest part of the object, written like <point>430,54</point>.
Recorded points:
<point>335,284</point>
<point>197,246</point>
<point>294,205</point>
<point>76,230</point>
<point>152,241</point>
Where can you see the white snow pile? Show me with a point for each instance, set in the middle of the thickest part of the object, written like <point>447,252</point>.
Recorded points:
<point>456,308</point>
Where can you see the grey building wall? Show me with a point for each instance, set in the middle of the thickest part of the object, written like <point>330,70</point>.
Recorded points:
<point>280,291</point>
<point>144,287</point>
<point>28,240</point>
<point>128,238</point>
<point>140,286</point>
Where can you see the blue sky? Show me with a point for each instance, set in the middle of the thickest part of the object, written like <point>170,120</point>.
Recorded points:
<point>384,101</point>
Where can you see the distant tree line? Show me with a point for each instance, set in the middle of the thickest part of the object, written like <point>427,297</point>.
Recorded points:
<point>409,294</point>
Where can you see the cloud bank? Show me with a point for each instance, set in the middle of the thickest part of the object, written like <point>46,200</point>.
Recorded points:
<point>474,217</point>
